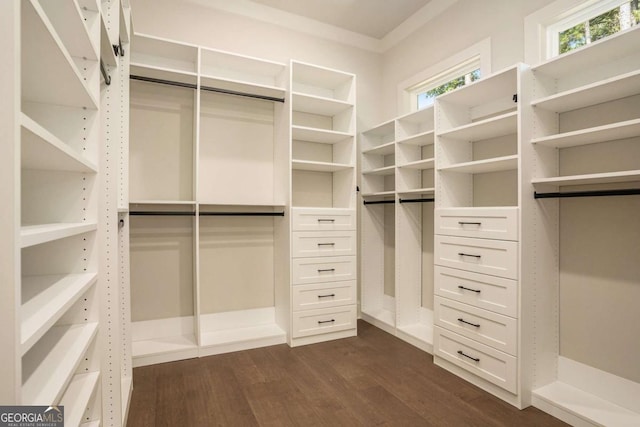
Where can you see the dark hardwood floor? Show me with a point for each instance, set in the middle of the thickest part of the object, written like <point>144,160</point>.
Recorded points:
<point>374,379</point>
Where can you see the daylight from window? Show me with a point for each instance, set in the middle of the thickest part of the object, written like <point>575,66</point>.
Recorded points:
<point>426,98</point>
<point>617,19</point>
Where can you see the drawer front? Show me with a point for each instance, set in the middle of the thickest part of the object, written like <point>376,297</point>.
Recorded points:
<point>493,223</point>
<point>322,295</point>
<point>323,243</point>
<point>324,320</point>
<point>323,269</point>
<point>480,290</point>
<point>305,219</point>
<point>485,362</point>
<point>495,257</point>
<point>495,330</point>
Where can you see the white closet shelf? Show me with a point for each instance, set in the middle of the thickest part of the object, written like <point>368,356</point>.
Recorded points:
<point>318,105</point>
<point>427,190</point>
<point>421,331</point>
<point>51,363</point>
<point>383,129</point>
<point>106,45</point>
<point>611,132</point>
<point>67,17</point>
<point>42,233</point>
<point>320,77</point>
<point>497,164</point>
<point>242,335</point>
<point>77,396</point>
<point>582,405</point>
<point>420,139</point>
<point>91,424</point>
<point>46,299</point>
<point>242,86</point>
<point>387,170</point>
<point>382,150</point>
<point>161,73</point>
<point>616,46</point>
<point>307,165</point>
<point>43,150</point>
<point>50,75</point>
<point>162,202</point>
<point>164,54</point>
<point>302,133</point>
<point>158,346</point>
<point>379,193</point>
<point>504,124</point>
<point>239,67</point>
<point>381,315</point>
<point>594,178</point>
<point>595,93</point>
<point>498,86</point>
<point>418,117</point>
<point>419,164</point>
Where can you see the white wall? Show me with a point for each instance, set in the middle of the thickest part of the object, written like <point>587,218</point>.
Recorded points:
<point>188,22</point>
<point>464,24</point>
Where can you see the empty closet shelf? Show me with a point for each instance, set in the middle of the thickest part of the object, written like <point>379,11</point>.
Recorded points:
<point>319,166</point>
<point>484,166</point>
<point>270,334</point>
<point>78,395</point>
<point>42,233</point>
<point>163,345</point>
<point>493,127</point>
<point>303,133</point>
<point>420,139</point>
<point>611,132</point>
<point>595,178</point>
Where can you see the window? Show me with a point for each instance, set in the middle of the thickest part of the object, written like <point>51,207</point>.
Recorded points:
<point>424,93</point>
<point>590,24</point>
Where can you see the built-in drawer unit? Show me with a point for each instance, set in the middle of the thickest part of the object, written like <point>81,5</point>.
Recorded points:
<point>313,219</point>
<point>323,243</point>
<point>480,290</point>
<point>486,223</point>
<point>495,257</point>
<point>323,295</point>
<point>484,326</point>
<point>486,362</point>
<point>323,269</point>
<point>324,320</point>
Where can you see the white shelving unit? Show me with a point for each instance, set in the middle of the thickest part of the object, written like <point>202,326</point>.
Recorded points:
<point>582,140</point>
<point>53,299</point>
<point>322,291</point>
<point>397,223</point>
<point>477,250</point>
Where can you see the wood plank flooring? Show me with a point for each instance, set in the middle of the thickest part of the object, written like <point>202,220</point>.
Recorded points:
<point>374,379</point>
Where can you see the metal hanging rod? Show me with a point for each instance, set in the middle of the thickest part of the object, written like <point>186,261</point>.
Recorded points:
<point>416,200</point>
<point>594,193</point>
<point>379,202</point>
<point>205,88</point>
<point>161,213</point>
<point>103,71</point>
<point>242,213</point>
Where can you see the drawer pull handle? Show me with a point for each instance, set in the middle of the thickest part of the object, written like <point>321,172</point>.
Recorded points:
<point>469,223</point>
<point>320,322</point>
<point>326,220</point>
<point>325,270</point>
<point>327,296</point>
<point>326,244</point>
<point>475,359</point>
<point>468,289</point>
<point>477,325</point>
<point>469,255</point>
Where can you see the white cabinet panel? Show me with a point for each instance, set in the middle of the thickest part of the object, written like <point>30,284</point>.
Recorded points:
<point>309,219</point>
<point>493,223</point>
<point>323,269</point>
<point>325,320</point>
<point>495,257</point>
<point>323,243</point>
<point>323,295</point>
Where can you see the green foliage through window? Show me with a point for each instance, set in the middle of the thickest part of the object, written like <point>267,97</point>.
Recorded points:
<point>601,26</point>
<point>426,98</point>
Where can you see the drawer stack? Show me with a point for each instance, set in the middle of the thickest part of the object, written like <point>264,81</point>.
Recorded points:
<point>323,275</point>
<point>476,291</point>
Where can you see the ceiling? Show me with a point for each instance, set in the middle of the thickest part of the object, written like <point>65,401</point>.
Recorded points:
<point>373,18</point>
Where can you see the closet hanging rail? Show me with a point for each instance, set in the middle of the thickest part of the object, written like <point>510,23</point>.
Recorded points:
<point>423,200</point>
<point>594,193</point>
<point>379,202</point>
<point>205,88</point>
<point>242,213</point>
<point>161,213</point>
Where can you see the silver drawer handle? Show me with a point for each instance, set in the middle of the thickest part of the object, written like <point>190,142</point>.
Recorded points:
<point>469,223</point>
<point>327,296</point>
<point>475,359</point>
<point>469,255</point>
<point>469,289</point>
<point>325,270</point>
<point>477,325</point>
<point>326,220</point>
<point>320,322</point>
<point>326,244</point>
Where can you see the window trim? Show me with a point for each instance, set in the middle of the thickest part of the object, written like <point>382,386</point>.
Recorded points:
<point>443,70</point>
<point>446,76</point>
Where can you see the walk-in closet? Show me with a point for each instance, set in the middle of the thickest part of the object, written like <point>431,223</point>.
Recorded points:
<point>419,212</point>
